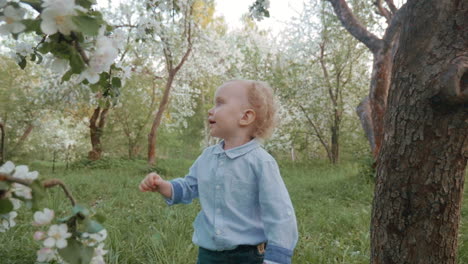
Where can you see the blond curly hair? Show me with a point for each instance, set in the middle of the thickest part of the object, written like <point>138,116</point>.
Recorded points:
<point>262,99</point>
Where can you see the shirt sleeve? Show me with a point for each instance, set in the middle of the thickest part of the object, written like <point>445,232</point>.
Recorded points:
<point>184,190</point>
<point>278,215</point>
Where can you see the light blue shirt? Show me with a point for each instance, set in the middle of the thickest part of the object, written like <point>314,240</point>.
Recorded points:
<point>243,198</point>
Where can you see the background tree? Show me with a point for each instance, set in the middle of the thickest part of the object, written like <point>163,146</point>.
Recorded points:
<point>420,174</point>
<point>372,109</point>
<point>323,77</point>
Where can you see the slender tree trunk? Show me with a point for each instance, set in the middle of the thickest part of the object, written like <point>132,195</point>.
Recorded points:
<point>96,127</point>
<point>420,174</point>
<point>335,137</point>
<point>381,49</point>
<point>2,144</point>
<point>172,72</point>
<point>153,135</point>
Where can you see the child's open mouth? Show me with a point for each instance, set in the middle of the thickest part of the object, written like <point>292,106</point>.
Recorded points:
<point>211,122</point>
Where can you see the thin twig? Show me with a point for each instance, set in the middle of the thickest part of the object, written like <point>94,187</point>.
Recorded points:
<point>54,182</point>
<point>46,184</point>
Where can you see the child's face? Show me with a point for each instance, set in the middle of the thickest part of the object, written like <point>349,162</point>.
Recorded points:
<point>230,102</point>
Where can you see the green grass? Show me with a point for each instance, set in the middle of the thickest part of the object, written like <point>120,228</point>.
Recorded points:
<point>332,204</point>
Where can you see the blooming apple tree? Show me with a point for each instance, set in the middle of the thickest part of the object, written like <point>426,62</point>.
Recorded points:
<point>77,238</point>
<point>73,32</point>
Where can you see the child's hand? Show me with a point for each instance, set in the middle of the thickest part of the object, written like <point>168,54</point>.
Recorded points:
<point>151,182</point>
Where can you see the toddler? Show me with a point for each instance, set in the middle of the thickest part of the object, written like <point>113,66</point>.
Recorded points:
<point>247,215</point>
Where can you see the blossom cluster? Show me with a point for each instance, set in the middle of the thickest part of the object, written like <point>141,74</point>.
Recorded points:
<point>7,220</point>
<point>52,236</point>
<point>57,235</point>
<point>98,50</point>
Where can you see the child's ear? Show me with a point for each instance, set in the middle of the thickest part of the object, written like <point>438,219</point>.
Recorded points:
<point>248,117</point>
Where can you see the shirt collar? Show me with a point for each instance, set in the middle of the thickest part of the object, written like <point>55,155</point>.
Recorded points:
<point>237,151</point>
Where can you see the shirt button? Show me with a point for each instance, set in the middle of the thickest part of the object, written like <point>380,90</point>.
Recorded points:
<point>218,232</point>
<point>218,187</point>
<point>218,210</point>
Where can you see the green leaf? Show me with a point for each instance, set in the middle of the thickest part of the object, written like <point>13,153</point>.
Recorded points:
<point>61,49</point>
<point>4,186</point>
<point>116,83</point>
<point>80,209</point>
<point>86,3</point>
<point>65,219</point>
<point>22,63</point>
<point>66,77</point>
<point>92,226</point>
<point>76,253</point>
<point>6,206</point>
<point>88,25</point>
<point>39,58</point>
<point>44,48</point>
<point>76,62</point>
<point>32,25</point>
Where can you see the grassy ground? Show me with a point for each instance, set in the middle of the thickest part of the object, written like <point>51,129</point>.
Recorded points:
<point>332,205</point>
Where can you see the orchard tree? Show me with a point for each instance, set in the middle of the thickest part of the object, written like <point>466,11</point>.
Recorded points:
<point>422,163</point>
<point>372,109</point>
<point>323,76</point>
<point>21,107</point>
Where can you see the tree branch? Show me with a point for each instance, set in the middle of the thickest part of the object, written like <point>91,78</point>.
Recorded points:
<point>392,6</point>
<point>317,132</point>
<point>54,182</point>
<point>383,11</point>
<point>46,184</point>
<point>354,27</point>
<point>392,30</point>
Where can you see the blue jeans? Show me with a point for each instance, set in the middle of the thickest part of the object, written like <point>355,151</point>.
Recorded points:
<point>244,254</point>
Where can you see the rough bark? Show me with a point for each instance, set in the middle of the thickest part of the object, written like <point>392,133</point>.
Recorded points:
<point>382,65</point>
<point>420,175</point>
<point>96,127</point>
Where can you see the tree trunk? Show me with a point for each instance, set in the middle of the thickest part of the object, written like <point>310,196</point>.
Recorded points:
<point>420,175</point>
<point>96,127</point>
<point>2,144</point>
<point>153,135</point>
<point>172,72</point>
<point>382,49</point>
<point>335,137</point>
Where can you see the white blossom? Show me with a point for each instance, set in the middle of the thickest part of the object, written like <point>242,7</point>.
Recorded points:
<point>22,172</point>
<point>39,235</point>
<point>57,16</point>
<point>101,60</point>
<point>7,168</point>
<point>43,217</point>
<point>46,255</point>
<point>93,239</point>
<point>98,257</point>
<point>22,191</point>
<point>59,65</point>
<point>57,236</point>
<point>12,16</point>
<point>16,203</point>
<point>7,221</point>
